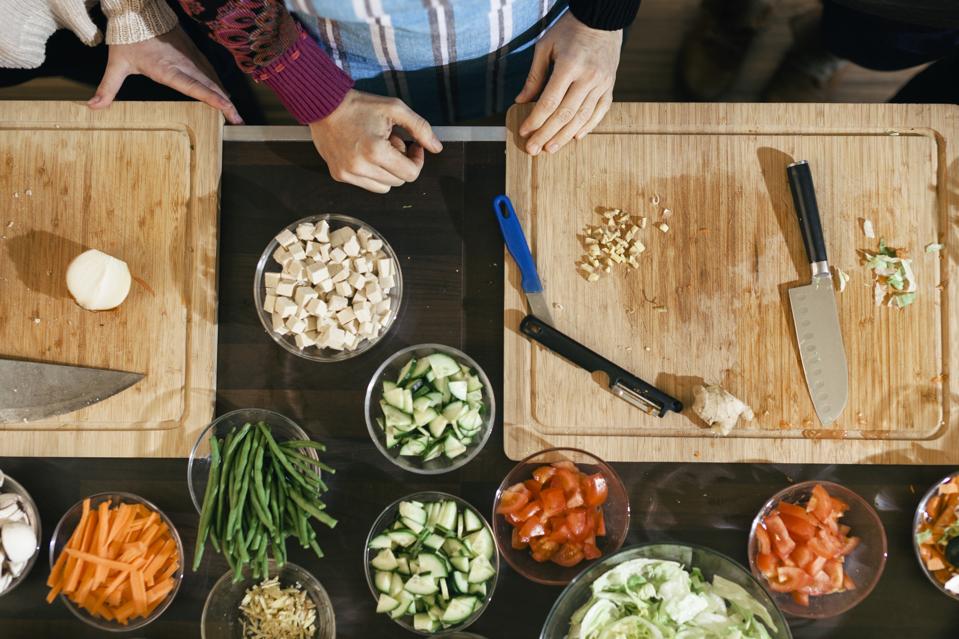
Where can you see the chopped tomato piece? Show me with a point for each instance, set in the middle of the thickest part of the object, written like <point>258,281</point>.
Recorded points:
<point>531,509</point>
<point>512,499</point>
<point>849,545</point>
<point>785,508</point>
<point>800,598</point>
<point>820,504</point>
<point>553,501</point>
<point>767,564</point>
<point>596,490</point>
<point>590,550</point>
<point>543,473</point>
<point>848,583</point>
<point>799,529</point>
<point>568,465</point>
<point>516,542</point>
<point>762,537</point>
<point>838,504</point>
<point>783,545</point>
<point>833,568</point>
<point>789,579</point>
<point>533,487</point>
<point>822,547</point>
<point>543,549</point>
<point>802,556</point>
<point>567,479</point>
<point>816,565</point>
<point>569,555</point>
<point>532,528</point>
<point>600,523</point>
<point>560,534</point>
<point>576,521</point>
<point>575,500</point>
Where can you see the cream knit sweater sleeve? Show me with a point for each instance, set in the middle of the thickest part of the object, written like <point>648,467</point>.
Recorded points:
<point>130,21</point>
<point>28,24</point>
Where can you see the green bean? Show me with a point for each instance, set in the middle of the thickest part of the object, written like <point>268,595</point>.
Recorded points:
<point>242,485</point>
<point>316,548</point>
<point>312,510</point>
<point>206,511</point>
<point>305,459</point>
<point>303,443</point>
<point>279,456</point>
<point>224,478</point>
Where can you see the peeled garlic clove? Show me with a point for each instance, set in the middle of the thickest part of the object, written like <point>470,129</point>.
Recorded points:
<point>19,541</point>
<point>98,281</point>
<point>8,498</point>
<point>16,567</point>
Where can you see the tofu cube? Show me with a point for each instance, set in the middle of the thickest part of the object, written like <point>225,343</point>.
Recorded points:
<point>373,292</point>
<point>325,286</point>
<point>317,272</point>
<point>285,289</point>
<point>374,245</point>
<point>341,275</point>
<point>310,248</point>
<point>296,324</point>
<point>352,247</point>
<point>344,289</point>
<point>363,312</point>
<point>337,255</point>
<point>305,231</point>
<point>269,303</point>
<point>362,265</point>
<point>345,315</point>
<point>297,251</point>
<point>270,280</point>
<point>284,306</point>
<point>351,327</point>
<point>303,340</point>
<point>303,295</point>
<point>384,267</point>
<point>357,280</point>
<point>342,235</point>
<point>279,326</point>
<point>383,308</point>
<point>366,329</point>
<point>316,306</point>
<point>321,232</point>
<point>285,237</point>
<point>386,283</point>
<point>336,303</point>
<point>363,237</point>
<point>281,255</point>
<point>335,337</point>
<point>324,251</point>
<point>358,296</point>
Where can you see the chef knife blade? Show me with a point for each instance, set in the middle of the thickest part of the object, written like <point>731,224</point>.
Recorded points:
<point>622,383</point>
<point>813,306</point>
<point>33,390</point>
<point>519,249</point>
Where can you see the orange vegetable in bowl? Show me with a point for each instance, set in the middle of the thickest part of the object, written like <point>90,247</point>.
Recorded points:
<point>802,548</point>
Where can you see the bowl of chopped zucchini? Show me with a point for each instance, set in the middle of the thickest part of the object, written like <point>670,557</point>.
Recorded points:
<point>430,408</point>
<point>328,287</point>
<point>431,563</point>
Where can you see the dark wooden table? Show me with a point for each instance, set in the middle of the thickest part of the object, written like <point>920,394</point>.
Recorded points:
<point>452,256</point>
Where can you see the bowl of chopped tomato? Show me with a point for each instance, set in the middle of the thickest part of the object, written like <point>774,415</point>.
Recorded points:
<point>818,548</point>
<point>936,538</point>
<point>558,511</point>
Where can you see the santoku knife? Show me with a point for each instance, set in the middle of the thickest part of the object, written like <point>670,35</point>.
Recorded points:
<point>519,249</point>
<point>33,390</point>
<point>813,306</point>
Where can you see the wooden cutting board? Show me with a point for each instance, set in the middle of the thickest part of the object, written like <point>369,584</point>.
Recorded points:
<point>720,276</point>
<point>138,181</point>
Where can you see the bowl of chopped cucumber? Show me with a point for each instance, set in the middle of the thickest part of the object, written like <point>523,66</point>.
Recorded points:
<point>431,563</point>
<point>430,408</point>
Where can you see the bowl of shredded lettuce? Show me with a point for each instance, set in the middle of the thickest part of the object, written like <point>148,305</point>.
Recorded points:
<point>660,591</point>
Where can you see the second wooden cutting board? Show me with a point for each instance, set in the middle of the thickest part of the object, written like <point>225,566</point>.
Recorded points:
<point>709,302</point>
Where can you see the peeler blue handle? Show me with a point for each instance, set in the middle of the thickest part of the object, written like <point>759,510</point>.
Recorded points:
<point>516,243</point>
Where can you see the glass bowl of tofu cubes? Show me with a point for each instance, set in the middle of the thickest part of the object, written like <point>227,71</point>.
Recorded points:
<point>328,287</point>
<point>431,563</point>
<point>430,408</point>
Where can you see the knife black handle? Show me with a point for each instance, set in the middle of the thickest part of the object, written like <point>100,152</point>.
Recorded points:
<point>567,347</point>
<point>807,211</point>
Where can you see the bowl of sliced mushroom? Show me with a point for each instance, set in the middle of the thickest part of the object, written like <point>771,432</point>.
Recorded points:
<point>19,533</point>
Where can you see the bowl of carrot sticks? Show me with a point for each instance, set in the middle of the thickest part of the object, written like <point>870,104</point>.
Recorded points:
<point>116,561</point>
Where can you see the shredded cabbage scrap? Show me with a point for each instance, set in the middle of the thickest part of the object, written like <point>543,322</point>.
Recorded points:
<point>894,280</point>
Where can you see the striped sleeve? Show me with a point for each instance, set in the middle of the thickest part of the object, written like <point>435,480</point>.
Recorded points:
<point>607,15</point>
<point>267,43</point>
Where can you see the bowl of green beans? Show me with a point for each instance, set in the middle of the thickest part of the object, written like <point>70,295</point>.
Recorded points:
<point>257,480</point>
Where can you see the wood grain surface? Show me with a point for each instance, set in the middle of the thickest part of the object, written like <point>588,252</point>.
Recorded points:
<point>709,303</point>
<point>454,274</point>
<point>139,184</point>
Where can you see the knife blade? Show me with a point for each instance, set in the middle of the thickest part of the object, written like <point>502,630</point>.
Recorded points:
<point>622,383</point>
<point>33,390</point>
<point>518,247</point>
<point>813,306</point>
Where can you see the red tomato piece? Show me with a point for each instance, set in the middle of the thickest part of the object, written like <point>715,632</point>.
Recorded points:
<point>821,547</point>
<point>533,486</point>
<point>802,556</point>
<point>543,549</point>
<point>567,479</point>
<point>568,465</point>
<point>848,583</point>
<point>816,565</point>
<point>799,529</point>
<point>590,550</point>
<point>849,545</point>
<point>800,598</point>
<point>560,534</point>
<point>516,542</point>
<point>834,570</point>
<point>576,521</point>
<point>532,528</point>
<point>543,473</point>
<point>820,503</point>
<point>553,501</point>
<point>575,500</point>
<point>783,544</point>
<point>785,508</point>
<point>767,564</point>
<point>531,509</point>
<point>838,504</point>
<point>596,490</point>
<point>569,555</point>
<point>600,523</point>
<point>788,579</point>
<point>512,499</point>
<point>762,538</point>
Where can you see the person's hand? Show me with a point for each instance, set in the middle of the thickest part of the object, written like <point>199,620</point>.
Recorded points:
<point>580,87</point>
<point>361,147</point>
<point>170,59</point>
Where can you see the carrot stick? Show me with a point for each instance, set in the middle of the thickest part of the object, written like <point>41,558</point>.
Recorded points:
<point>100,561</point>
<point>139,593</point>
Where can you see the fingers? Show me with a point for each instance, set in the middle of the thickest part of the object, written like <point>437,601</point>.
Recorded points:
<point>418,128</point>
<point>113,77</point>
<point>417,154</point>
<point>602,108</point>
<point>563,114</point>
<point>582,116</point>
<point>365,183</point>
<point>396,163</point>
<point>203,90</point>
<point>549,102</point>
<point>536,78</point>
